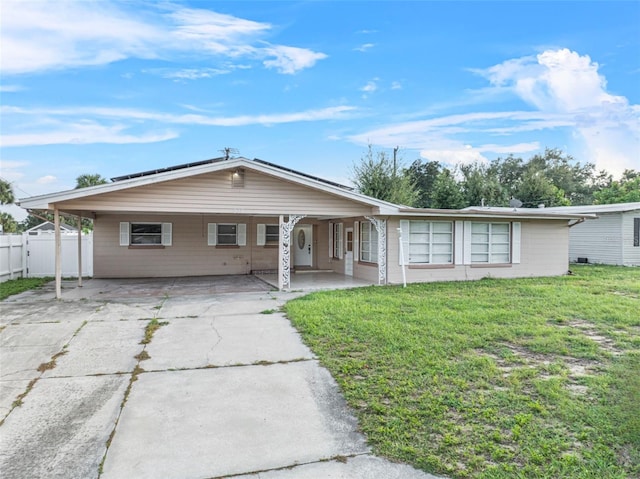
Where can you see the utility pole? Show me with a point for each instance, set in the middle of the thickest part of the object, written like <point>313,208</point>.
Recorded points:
<point>395,161</point>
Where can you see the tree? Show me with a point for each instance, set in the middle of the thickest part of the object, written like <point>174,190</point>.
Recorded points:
<point>87,179</point>
<point>447,192</point>
<point>423,176</point>
<point>537,189</point>
<point>6,193</point>
<point>626,190</point>
<point>481,185</point>
<point>9,224</point>
<point>380,177</point>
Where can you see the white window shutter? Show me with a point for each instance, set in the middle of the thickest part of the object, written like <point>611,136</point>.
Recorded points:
<point>212,234</point>
<point>459,242</point>
<point>242,234</point>
<point>340,240</point>
<point>167,233</point>
<point>404,229</point>
<point>261,238</point>
<point>467,242</point>
<point>515,243</point>
<point>330,240</point>
<point>124,234</point>
<point>356,240</point>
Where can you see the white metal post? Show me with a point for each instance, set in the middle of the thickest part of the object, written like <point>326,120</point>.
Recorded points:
<point>404,274</point>
<point>56,222</point>
<point>80,251</point>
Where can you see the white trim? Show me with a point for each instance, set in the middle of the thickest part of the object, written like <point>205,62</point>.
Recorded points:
<point>241,234</point>
<point>331,225</point>
<point>467,243</point>
<point>515,242</point>
<point>405,231</point>
<point>125,238</point>
<point>212,234</point>
<point>261,238</point>
<point>458,238</point>
<point>167,229</point>
<point>356,240</point>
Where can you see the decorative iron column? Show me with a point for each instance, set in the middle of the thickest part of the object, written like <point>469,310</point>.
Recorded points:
<point>381,228</point>
<point>284,257</point>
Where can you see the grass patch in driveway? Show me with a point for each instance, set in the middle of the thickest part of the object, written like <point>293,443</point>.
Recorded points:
<point>20,285</point>
<point>536,377</point>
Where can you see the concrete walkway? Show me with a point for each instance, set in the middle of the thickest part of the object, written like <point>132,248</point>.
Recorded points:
<point>224,387</point>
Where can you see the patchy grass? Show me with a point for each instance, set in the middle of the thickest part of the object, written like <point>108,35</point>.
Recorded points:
<point>534,377</point>
<point>20,285</point>
<point>151,328</point>
<point>269,311</point>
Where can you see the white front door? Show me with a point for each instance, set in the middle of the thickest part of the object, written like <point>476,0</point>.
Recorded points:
<point>301,242</point>
<point>348,253</point>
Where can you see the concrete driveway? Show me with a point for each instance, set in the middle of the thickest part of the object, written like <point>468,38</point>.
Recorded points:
<point>224,387</point>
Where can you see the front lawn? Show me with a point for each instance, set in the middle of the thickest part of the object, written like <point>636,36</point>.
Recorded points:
<point>493,379</point>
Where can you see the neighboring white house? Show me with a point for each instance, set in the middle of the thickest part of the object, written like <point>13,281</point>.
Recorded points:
<point>614,238</point>
<point>47,227</point>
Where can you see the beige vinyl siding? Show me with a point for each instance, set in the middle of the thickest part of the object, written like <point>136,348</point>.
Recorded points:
<point>600,240</point>
<point>213,193</point>
<point>543,252</point>
<point>189,254</point>
<point>630,253</point>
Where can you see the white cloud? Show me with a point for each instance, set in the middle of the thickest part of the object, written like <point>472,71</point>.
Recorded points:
<point>370,87</point>
<point>45,180</point>
<point>396,85</point>
<point>11,88</point>
<point>455,156</point>
<point>194,73</point>
<point>364,47</point>
<point>37,38</point>
<point>566,93</point>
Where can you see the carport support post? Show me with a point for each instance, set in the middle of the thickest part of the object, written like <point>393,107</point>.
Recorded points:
<point>381,227</point>
<point>79,251</point>
<point>284,254</point>
<point>58,239</point>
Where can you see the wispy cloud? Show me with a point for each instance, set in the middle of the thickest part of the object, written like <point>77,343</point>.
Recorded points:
<point>11,88</point>
<point>564,91</point>
<point>37,38</point>
<point>47,179</point>
<point>364,47</point>
<point>396,85</point>
<point>83,125</point>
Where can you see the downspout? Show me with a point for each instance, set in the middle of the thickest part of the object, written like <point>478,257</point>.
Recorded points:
<point>571,225</point>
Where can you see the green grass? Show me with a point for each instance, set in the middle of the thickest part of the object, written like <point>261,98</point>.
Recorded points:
<point>20,285</point>
<point>496,378</point>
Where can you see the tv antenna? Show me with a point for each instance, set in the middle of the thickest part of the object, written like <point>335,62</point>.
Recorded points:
<point>229,151</point>
<point>515,203</point>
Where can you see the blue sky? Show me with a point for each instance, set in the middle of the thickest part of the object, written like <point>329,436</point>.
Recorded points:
<point>115,87</point>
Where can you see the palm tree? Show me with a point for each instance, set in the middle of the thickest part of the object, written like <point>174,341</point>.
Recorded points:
<point>6,193</point>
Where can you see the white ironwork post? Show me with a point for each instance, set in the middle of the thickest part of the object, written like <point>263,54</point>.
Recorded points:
<point>381,228</point>
<point>284,256</point>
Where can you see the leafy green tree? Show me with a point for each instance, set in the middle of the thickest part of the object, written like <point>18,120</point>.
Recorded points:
<point>87,179</point>
<point>423,176</point>
<point>480,185</point>
<point>626,190</point>
<point>380,177</point>
<point>9,224</point>
<point>537,189</point>
<point>6,193</point>
<point>447,192</point>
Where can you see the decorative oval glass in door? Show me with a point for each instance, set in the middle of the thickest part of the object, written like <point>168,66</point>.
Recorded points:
<point>301,239</point>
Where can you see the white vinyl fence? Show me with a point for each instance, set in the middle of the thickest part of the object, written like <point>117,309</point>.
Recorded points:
<point>33,256</point>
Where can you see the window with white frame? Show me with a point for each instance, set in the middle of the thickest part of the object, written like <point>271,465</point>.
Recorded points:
<point>226,234</point>
<point>430,242</point>
<point>490,242</point>
<point>337,240</point>
<point>368,242</point>
<point>145,234</point>
<point>271,234</point>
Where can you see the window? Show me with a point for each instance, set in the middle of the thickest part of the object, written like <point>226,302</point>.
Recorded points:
<point>145,234</point>
<point>337,240</point>
<point>430,242</point>
<point>272,234</point>
<point>226,234</point>
<point>490,243</point>
<point>368,242</point>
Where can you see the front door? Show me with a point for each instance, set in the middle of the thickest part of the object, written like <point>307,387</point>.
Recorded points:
<point>301,243</point>
<point>348,253</point>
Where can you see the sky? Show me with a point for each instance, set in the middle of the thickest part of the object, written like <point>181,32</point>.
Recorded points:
<point>117,87</point>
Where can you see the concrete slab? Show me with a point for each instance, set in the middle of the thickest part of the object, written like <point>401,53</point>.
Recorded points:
<point>62,428</point>
<point>43,311</point>
<point>26,346</point>
<point>217,422</point>
<point>224,341</point>
<point>130,310</point>
<point>101,348</point>
<point>359,467</point>
<point>9,391</point>
<point>228,304</point>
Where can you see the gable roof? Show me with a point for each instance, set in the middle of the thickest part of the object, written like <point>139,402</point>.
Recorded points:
<point>47,201</point>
